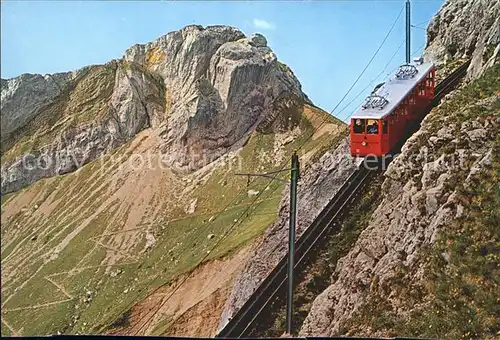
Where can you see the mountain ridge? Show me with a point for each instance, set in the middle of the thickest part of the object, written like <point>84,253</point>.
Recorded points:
<point>211,76</point>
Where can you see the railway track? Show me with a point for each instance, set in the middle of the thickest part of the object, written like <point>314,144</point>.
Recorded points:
<point>273,286</point>
<point>449,83</point>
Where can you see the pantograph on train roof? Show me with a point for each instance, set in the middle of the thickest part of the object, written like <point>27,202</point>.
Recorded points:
<point>406,71</point>
<point>386,98</point>
<point>374,101</point>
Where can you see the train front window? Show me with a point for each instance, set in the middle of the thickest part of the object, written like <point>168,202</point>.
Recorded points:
<point>384,127</point>
<point>372,126</point>
<point>359,125</point>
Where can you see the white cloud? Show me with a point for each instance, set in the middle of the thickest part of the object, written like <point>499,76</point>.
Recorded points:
<point>263,24</point>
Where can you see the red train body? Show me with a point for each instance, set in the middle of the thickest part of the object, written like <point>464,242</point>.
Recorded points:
<point>383,119</point>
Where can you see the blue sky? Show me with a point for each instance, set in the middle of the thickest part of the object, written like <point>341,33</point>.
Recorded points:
<point>326,43</point>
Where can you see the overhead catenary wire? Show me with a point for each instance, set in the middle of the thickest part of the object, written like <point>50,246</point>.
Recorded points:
<point>423,22</point>
<point>371,60</point>
<point>385,79</point>
<point>420,28</point>
<point>413,54</point>
<point>245,213</point>
<point>373,80</point>
<point>238,221</point>
<point>385,67</point>
<point>359,77</point>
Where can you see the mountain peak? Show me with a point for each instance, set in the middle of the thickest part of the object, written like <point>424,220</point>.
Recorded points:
<point>204,88</point>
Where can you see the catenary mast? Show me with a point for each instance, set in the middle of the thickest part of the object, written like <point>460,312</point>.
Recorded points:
<point>408,53</point>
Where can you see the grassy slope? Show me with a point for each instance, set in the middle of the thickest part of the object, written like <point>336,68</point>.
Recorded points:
<point>99,201</point>
<point>462,293</point>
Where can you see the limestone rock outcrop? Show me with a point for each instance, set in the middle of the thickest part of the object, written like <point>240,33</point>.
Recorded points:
<point>220,85</point>
<point>100,108</point>
<point>23,97</point>
<point>465,29</point>
<point>205,89</point>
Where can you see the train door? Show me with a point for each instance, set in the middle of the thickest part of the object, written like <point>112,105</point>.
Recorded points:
<point>408,111</point>
<point>373,135</point>
<point>413,102</point>
<point>358,128</point>
<point>386,147</point>
<point>422,100</point>
<point>393,128</point>
<point>397,124</point>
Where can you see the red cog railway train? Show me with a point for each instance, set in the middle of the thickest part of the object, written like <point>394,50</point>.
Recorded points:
<point>383,119</point>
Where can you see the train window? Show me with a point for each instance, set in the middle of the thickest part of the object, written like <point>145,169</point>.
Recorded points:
<point>421,89</point>
<point>430,81</point>
<point>372,126</point>
<point>384,127</point>
<point>359,125</point>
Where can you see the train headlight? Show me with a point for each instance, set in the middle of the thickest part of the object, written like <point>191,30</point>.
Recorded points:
<point>364,143</point>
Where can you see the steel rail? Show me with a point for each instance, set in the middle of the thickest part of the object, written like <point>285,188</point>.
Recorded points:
<point>449,82</point>
<point>265,294</point>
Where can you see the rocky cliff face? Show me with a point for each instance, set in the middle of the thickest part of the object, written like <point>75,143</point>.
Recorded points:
<point>96,110</point>
<point>415,270</point>
<point>206,89</point>
<point>465,29</point>
<point>421,198</point>
<point>24,96</point>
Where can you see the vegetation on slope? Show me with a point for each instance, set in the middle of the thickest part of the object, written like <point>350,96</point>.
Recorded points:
<point>457,296</point>
<point>106,213</point>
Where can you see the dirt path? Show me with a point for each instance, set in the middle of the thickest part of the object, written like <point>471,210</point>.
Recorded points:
<point>12,330</point>
<point>123,203</point>
<point>42,305</point>
<point>116,250</point>
<point>61,288</point>
<point>27,199</point>
<point>21,286</point>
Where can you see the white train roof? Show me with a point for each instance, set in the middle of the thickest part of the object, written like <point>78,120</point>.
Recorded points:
<point>385,99</point>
